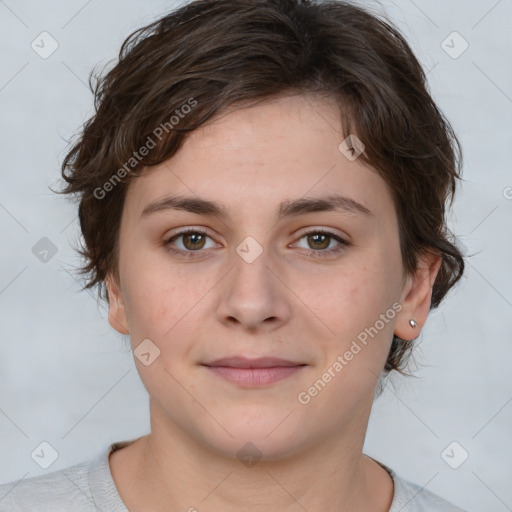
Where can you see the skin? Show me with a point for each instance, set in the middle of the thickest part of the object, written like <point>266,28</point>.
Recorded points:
<point>285,304</point>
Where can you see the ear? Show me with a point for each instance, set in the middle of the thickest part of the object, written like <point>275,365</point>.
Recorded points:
<point>116,313</point>
<point>416,296</point>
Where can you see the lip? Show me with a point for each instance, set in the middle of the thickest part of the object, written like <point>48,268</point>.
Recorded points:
<point>250,373</point>
<point>258,362</point>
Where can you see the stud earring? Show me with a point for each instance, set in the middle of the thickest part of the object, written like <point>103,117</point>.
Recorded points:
<point>413,323</point>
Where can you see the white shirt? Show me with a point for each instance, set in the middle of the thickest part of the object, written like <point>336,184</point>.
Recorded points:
<point>89,487</point>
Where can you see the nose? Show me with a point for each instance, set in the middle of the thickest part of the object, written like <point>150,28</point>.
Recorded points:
<point>253,295</point>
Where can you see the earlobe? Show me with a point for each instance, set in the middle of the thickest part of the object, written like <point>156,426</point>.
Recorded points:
<point>418,296</point>
<point>116,312</point>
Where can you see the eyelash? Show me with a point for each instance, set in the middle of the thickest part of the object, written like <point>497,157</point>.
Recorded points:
<point>312,253</point>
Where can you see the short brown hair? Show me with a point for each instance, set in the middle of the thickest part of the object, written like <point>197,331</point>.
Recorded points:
<point>215,54</point>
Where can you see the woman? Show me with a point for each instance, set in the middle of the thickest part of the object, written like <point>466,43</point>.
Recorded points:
<point>262,196</point>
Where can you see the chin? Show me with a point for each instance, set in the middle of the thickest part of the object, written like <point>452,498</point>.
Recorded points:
<point>262,437</point>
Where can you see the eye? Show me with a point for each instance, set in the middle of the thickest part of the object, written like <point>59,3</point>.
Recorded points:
<point>193,240</point>
<point>320,240</point>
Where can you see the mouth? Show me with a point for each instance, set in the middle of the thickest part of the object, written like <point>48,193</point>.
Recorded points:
<point>251,373</point>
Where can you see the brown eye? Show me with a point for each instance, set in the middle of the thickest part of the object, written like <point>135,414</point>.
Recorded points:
<point>193,241</point>
<point>319,241</point>
<point>188,242</point>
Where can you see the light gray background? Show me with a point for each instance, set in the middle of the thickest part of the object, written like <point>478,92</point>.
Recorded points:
<point>66,377</point>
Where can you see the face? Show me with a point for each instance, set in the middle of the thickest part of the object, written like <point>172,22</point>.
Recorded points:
<point>268,270</point>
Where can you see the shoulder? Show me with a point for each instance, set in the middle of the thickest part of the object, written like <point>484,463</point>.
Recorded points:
<point>56,491</point>
<point>410,497</point>
<point>84,487</point>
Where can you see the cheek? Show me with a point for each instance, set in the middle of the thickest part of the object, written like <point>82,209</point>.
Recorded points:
<point>167,307</point>
<point>357,307</point>
<point>352,296</point>
<point>153,304</point>
<point>153,293</point>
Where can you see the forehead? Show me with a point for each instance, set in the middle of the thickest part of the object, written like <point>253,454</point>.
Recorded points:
<point>280,149</point>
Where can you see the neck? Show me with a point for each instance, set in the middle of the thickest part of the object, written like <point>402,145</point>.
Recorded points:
<point>170,470</point>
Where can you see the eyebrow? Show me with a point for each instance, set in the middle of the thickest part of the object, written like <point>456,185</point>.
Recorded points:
<point>287,208</point>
